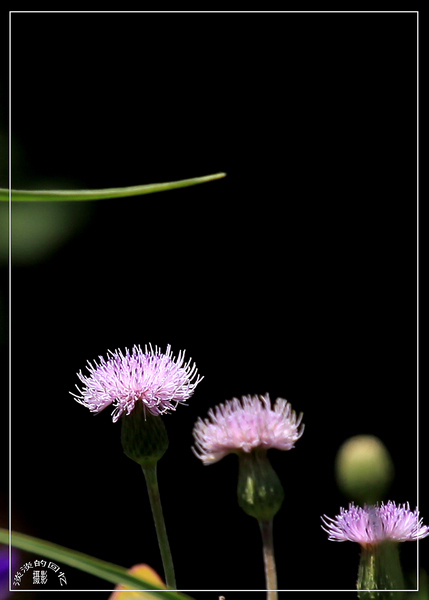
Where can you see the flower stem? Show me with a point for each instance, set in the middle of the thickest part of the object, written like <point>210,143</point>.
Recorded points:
<point>155,503</point>
<point>269,561</point>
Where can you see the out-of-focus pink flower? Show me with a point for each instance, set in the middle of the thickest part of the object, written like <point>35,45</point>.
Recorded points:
<point>244,425</point>
<point>158,380</point>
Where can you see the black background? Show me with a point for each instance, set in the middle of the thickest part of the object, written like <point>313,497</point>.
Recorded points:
<point>294,275</point>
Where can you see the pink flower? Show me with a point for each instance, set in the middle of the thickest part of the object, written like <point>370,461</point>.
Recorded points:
<point>245,425</point>
<point>373,524</point>
<point>159,381</point>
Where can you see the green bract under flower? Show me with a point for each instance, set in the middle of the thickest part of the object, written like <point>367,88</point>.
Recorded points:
<point>259,490</point>
<point>144,437</point>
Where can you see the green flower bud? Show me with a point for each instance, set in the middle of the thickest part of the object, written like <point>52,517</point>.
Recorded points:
<point>260,492</point>
<point>364,469</point>
<point>144,437</point>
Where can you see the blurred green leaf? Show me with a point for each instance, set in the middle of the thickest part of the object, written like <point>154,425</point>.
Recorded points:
<point>136,190</point>
<point>84,562</point>
<point>39,228</point>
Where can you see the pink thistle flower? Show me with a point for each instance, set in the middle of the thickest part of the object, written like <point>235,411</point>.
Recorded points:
<point>245,425</point>
<point>159,381</point>
<point>374,524</point>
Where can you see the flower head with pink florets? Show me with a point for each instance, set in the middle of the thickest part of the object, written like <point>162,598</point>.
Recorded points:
<point>369,525</point>
<point>246,425</point>
<point>158,380</point>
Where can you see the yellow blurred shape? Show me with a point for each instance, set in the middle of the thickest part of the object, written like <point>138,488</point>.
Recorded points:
<point>145,572</point>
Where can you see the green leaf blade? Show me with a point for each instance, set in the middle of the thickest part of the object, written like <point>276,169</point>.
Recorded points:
<point>94,566</point>
<point>123,192</point>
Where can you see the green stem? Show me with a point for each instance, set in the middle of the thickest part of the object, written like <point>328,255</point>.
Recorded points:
<point>269,560</point>
<point>155,503</point>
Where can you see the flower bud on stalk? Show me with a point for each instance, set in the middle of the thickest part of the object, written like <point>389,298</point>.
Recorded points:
<point>248,428</point>
<point>141,386</point>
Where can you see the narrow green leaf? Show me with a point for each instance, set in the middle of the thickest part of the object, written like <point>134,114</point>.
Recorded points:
<point>135,190</point>
<point>100,568</point>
